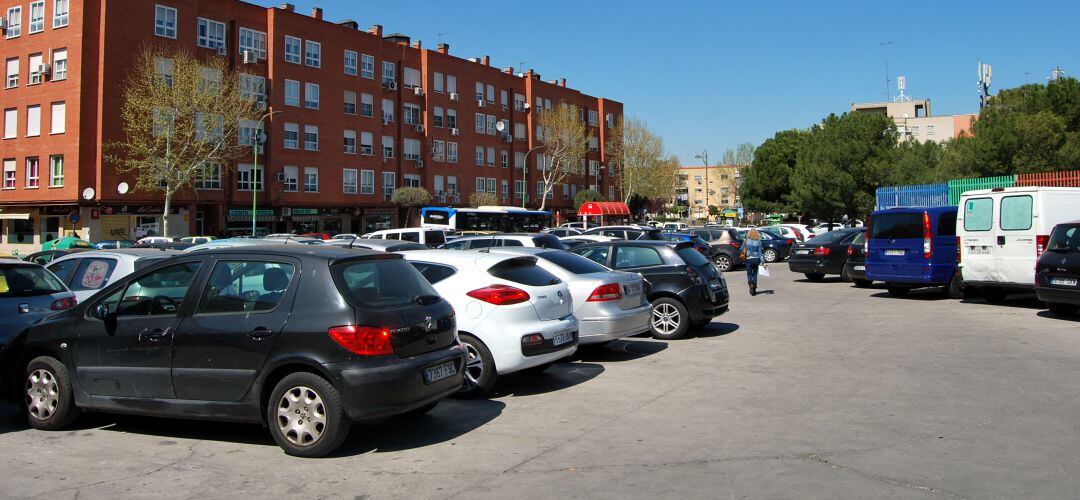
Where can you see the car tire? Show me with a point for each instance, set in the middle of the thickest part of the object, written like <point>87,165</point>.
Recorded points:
<point>955,288</point>
<point>421,411</point>
<point>770,255</point>
<point>994,295</point>
<point>537,370</point>
<point>1063,310</point>
<point>670,320</point>
<point>897,291</point>
<point>724,263</point>
<point>48,397</point>
<point>863,283</point>
<point>480,374</point>
<point>306,416</point>
<point>814,276</point>
<point>845,275</point>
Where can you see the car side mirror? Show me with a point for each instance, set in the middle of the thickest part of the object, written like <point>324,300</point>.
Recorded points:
<point>101,311</point>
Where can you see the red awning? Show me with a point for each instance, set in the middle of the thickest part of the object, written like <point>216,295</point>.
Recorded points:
<point>604,208</point>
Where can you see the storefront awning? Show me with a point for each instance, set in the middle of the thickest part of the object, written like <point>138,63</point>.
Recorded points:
<point>604,208</point>
<point>247,218</point>
<point>14,216</point>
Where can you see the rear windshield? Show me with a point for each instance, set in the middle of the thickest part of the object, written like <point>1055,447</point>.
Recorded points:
<point>1065,239</point>
<point>92,274</point>
<point>145,262</point>
<point>28,281</point>
<point>692,256</point>
<point>380,283</point>
<point>573,263</point>
<point>434,238</point>
<point>523,271</point>
<point>897,226</point>
<point>978,214</point>
<point>834,236</point>
<point>548,241</point>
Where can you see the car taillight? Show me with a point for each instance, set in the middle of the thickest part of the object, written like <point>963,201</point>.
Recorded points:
<point>606,293</point>
<point>63,304</point>
<point>363,340</point>
<point>500,295</point>
<point>958,247</point>
<point>821,251</point>
<point>532,339</point>
<point>791,241</point>
<point>1040,244</point>
<point>866,243</point>
<point>927,240</point>
<point>735,244</point>
<point>850,251</point>
<point>695,277</point>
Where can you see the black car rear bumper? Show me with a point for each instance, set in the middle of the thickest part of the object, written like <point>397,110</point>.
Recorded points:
<point>852,271</point>
<point>703,302</point>
<point>387,386</point>
<point>801,264</point>
<point>1055,295</point>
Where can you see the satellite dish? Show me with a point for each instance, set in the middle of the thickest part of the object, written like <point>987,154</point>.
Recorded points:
<point>500,126</point>
<point>88,194</point>
<point>122,188</point>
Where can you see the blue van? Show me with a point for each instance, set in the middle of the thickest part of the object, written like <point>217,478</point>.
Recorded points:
<point>913,247</point>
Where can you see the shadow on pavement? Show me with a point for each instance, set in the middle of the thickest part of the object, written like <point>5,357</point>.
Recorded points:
<point>560,376</point>
<point>716,329</point>
<point>827,279</point>
<point>621,350</point>
<point>1024,300</point>
<point>926,294</point>
<point>450,420</point>
<point>1051,315</point>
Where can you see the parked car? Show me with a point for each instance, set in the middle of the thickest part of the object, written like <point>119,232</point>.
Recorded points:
<point>699,244</point>
<point>581,239</point>
<point>86,273</point>
<point>563,231</point>
<point>150,241</point>
<point>1057,274</point>
<point>114,244</point>
<point>609,305</point>
<point>513,314</point>
<point>726,244</point>
<point>65,243</point>
<point>855,266</point>
<point>538,240</point>
<point>824,254</point>
<point>430,237</point>
<point>774,248</point>
<point>251,334</point>
<point>802,230</point>
<point>292,238</point>
<point>47,256</point>
<point>378,245</point>
<point>627,232</point>
<point>573,225</point>
<point>28,293</point>
<point>685,289</point>
<point>197,240</point>
<point>345,236</point>
<point>675,226</point>
<point>321,236</point>
<point>1003,231</point>
<point>913,248</point>
<point>786,232</point>
<point>826,227</point>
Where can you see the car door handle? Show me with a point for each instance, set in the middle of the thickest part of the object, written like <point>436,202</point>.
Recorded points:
<point>154,334</point>
<point>260,333</point>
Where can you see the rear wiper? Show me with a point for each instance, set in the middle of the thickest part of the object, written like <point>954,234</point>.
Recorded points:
<point>426,300</point>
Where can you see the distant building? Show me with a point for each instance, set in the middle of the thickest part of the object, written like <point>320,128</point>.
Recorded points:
<point>915,122</point>
<point>699,187</point>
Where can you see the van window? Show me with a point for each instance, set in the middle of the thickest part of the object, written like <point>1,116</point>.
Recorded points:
<point>946,224</point>
<point>978,214</point>
<point>413,236</point>
<point>434,238</point>
<point>1016,213</point>
<point>896,226</point>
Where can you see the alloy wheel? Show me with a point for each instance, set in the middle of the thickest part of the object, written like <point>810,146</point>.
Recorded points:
<point>301,416</point>
<point>474,366</point>
<point>42,394</point>
<point>665,319</point>
<point>724,263</point>
<point>770,255</point>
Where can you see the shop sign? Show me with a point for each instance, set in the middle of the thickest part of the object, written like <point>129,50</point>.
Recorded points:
<point>305,211</point>
<point>138,210</point>
<point>56,210</point>
<point>239,212</point>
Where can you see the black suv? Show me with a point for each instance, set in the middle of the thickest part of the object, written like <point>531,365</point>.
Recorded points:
<point>305,339</point>
<point>1057,273</point>
<point>685,289</point>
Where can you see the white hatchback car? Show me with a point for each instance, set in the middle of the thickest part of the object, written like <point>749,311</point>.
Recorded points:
<point>87,272</point>
<point>512,315</point>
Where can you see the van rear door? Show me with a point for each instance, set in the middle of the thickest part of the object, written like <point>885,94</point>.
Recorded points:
<point>897,243</point>
<point>978,240</point>
<point>1016,238</point>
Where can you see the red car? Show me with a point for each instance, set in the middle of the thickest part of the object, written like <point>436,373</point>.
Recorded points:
<point>321,236</point>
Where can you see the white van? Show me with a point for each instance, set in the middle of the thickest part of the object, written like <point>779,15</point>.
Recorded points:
<point>1002,232</point>
<point>429,237</point>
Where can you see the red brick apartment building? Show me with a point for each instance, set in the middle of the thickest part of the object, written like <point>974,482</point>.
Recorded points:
<point>358,113</point>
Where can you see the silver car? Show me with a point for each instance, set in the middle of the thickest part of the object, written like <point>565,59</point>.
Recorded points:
<point>608,304</point>
<point>28,292</point>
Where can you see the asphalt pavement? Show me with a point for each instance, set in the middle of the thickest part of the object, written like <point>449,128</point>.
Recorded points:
<point>811,390</point>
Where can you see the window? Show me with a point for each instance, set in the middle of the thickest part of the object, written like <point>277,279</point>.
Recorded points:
<point>610,119</point>
<point>629,257</point>
<point>438,185</point>
<point>238,287</point>
<point>33,121</point>
<point>11,123</point>
<point>451,152</point>
<point>249,178</point>
<point>491,125</point>
<point>451,184</point>
<point>519,102</point>
<point>438,151</point>
<point>479,91</point>
<point>381,284</point>
<point>57,120</point>
<point>389,181</point>
<point>451,83</point>
<point>519,131</point>
<point>59,66</point>
<point>12,79</point>
<point>164,21</point>
<point>36,76</point>
<point>451,118</point>
<point>412,77</point>
<point>311,180</point>
<point>367,144</point>
<point>311,137</point>
<point>367,105</point>
<point>479,155</point>
<point>389,72</point>
<point>292,49</point>
<point>9,174</point>
<point>412,180</point>
<point>411,149</point>
<point>211,34</point>
<point>292,136</point>
<point>505,190</point>
<point>388,146</point>
<point>56,171</point>
<point>162,66</point>
<point>978,214</point>
<point>412,114</point>
<point>292,179</point>
<point>208,177</point>
<point>491,185</point>
<point>388,110</point>
<point>930,129</point>
<point>253,88</point>
<point>350,142</point>
<point>292,93</point>
<point>481,122</point>
<point>611,193</point>
<point>367,182</point>
<point>437,82</point>
<point>539,189</point>
<point>437,116</point>
<point>32,172</point>
<point>1016,213</point>
<point>504,159</point>
<point>92,274</point>
<point>566,191</point>
<point>351,62</point>
<point>946,225</point>
<point>348,181</point>
<point>491,157</point>
<point>252,40</point>
<point>491,94</point>
<point>594,118</point>
<point>504,97</point>
<point>311,95</point>
<point>312,53</point>
<point>519,160</point>
<point>367,66</point>
<point>481,185</point>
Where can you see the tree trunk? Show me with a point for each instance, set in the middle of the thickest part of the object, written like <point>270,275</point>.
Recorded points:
<point>165,216</point>
<point>543,195</point>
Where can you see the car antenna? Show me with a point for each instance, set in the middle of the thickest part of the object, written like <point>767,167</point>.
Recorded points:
<point>488,249</point>
<point>352,241</point>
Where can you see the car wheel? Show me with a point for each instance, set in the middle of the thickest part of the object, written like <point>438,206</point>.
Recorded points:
<point>670,319</point>
<point>421,411</point>
<point>955,289</point>
<point>48,397</point>
<point>994,295</point>
<point>863,283</point>
<point>306,416</point>
<point>897,291</point>
<point>770,255</point>
<point>480,372</point>
<point>845,275</point>
<point>1064,310</point>
<point>814,276</point>
<point>724,263</point>
<point>537,370</point>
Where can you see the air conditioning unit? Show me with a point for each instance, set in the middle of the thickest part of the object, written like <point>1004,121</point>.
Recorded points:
<point>505,107</point>
<point>454,132</point>
<point>479,103</point>
<point>420,128</point>
<point>221,50</point>
<point>249,57</point>
<point>508,138</point>
<point>279,177</point>
<point>390,85</point>
<point>419,163</point>
<point>3,23</point>
<point>260,102</point>
<point>418,92</point>
<point>454,96</point>
<point>286,211</point>
<point>385,120</point>
<point>44,69</point>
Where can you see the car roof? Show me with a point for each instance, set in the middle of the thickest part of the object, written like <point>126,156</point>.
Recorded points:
<point>17,263</point>
<point>900,210</point>
<point>481,259</point>
<point>122,253</point>
<point>368,242</point>
<point>332,252</point>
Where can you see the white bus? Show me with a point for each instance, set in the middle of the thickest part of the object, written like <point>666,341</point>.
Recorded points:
<point>485,219</point>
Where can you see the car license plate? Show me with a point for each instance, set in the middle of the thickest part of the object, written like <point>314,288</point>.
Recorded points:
<point>980,250</point>
<point>860,268</point>
<point>439,372</point>
<point>802,252</point>
<point>1063,281</point>
<point>563,338</point>
<point>899,252</point>
<point>632,289</point>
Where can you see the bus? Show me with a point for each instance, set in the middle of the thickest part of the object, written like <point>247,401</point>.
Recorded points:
<point>485,219</point>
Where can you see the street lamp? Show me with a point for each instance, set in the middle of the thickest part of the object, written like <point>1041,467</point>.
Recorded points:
<point>704,156</point>
<point>259,140</point>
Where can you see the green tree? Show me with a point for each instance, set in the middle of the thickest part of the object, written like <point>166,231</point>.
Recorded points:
<point>916,163</point>
<point>766,184</point>
<point>744,154</point>
<point>639,162</point>
<point>479,199</point>
<point>586,195</point>
<point>565,140</point>
<point>410,197</point>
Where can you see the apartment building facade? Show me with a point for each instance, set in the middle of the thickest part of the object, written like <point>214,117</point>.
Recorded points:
<point>699,187</point>
<point>915,121</point>
<point>354,115</point>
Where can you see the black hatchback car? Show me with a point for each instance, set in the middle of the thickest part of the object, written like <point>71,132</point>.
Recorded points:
<point>304,339</point>
<point>1057,273</point>
<point>825,254</point>
<point>855,267</point>
<point>685,289</point>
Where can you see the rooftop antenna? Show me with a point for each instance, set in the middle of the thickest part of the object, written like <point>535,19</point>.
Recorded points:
<point>985,75</point>
<point>901,85</point>
<point>888,91</point>
<point>1056,74</point>
<point>521,66</point>
<point>438,37</point>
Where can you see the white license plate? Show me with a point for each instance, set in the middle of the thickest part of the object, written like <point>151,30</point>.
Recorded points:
<point>1063,281</point>
<point>979,250</point>
<point>563,338</point>
<point>802,252</point>
<point>898,252</point>
<point>860,268</point>
<point>439,372</point>
<point>632,289</point>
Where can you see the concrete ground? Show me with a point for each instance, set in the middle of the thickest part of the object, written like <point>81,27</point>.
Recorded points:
<point>819,390</point>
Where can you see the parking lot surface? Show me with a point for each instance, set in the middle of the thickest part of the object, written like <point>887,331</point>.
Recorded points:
<point>817,390</point>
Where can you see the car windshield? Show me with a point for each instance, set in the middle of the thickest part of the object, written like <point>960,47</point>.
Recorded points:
<point>1065,239</point>
<point>381,283</point>
<point>573,263</point>
<point>27,281</point>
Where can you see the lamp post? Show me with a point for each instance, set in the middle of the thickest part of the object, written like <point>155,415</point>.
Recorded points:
<point>524,169</point>
<point>704,156</point>
<point>259,140</point>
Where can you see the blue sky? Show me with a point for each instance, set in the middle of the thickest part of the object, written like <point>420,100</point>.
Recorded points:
<point>712,74</point>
